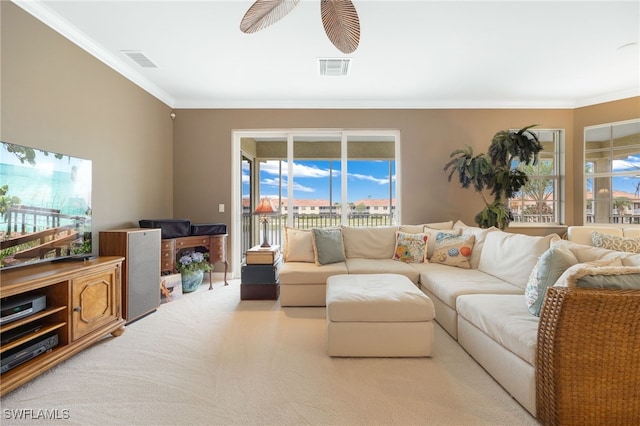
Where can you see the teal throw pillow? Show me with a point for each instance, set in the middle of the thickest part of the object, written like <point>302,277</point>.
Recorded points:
<point>551,265</point>
<point>327,245</point>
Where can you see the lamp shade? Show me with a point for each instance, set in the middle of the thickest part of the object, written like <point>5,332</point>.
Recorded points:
<point>264,207</point>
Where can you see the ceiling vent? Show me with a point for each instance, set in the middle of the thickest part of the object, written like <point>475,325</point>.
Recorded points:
<point>334,67</point>
<point>139,58</point>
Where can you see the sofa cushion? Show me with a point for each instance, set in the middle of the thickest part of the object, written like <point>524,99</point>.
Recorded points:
<point>453,250</point>
<point>327,245</point>
<point>587,253</point>
<point>631,232</point>
<point>582,234</point>
<point>633,260</point>
<point>309,273</point>
<point>376,298</point>
<point>613,242</point>
<point>548,269</point>
<point>382,266</point>
<point>480,234</point>
<point>505,319</point>
<point>298,245</point>
<point>511,257</point>
<point>410,248</point>
<point>447,283</point>
<point>370,242</point>
<point>416,229</point>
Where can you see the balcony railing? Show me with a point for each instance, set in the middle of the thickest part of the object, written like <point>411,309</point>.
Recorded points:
<point>277,224</point>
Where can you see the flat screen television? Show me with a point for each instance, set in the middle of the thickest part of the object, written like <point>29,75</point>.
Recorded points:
<point>45,206</point>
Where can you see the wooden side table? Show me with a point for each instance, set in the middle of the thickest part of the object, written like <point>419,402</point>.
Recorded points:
<point>260,282</point>
<point>215,245</point>
<point>218,253</point>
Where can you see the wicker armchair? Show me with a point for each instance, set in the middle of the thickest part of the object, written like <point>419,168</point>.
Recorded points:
<point>588,357</point>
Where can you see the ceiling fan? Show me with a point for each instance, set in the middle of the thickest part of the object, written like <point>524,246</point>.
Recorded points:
<point>339,18</point>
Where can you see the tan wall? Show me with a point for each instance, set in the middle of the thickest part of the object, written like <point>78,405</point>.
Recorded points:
<point>57,97</point>
<point>202,151</point>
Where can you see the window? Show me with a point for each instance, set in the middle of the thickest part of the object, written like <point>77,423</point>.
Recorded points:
<point>612,173</point>
<point>540,199</point>
<point>321,178</point>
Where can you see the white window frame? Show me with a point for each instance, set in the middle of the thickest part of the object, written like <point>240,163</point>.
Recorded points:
<point>558,177</point>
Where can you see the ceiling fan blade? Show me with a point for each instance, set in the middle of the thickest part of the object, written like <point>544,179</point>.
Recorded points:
<point>341,23</point>
<point>263,13</point>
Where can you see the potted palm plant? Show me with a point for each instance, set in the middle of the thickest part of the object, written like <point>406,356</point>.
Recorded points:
<point>492,174</point>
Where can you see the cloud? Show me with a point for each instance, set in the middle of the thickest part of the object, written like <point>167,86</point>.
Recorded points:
<point>383,181</point>
<point>296,186</point>
<point>631,163</point>
<point>299,170</point>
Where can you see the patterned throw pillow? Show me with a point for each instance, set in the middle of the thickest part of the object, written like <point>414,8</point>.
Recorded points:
<point>453,250</point>
<point>549,268</point>
<point>613,242</point>
<point>432,234</point>
<point>410,248</point>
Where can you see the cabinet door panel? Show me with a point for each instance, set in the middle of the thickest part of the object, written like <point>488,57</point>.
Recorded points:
<point>94,302</point>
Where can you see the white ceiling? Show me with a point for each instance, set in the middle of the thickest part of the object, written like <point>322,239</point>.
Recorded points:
<point>412,54</point>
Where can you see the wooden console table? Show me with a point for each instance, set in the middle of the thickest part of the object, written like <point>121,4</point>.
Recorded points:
<point>83,305</point>
<point>215,245</point>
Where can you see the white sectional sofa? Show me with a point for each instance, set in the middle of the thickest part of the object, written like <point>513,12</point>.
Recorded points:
<point>483,304</point>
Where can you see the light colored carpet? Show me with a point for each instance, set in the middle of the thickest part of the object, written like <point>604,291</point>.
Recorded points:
<point>211,359</point>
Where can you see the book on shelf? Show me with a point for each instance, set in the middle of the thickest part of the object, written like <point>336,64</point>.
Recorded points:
<point>262,255</point>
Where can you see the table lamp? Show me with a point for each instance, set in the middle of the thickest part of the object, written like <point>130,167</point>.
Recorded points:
<point>264,208</point>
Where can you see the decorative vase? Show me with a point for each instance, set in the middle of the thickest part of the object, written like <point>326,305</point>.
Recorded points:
<point>191,281</point>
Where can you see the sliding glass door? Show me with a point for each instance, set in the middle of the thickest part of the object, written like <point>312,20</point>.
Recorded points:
<point>317,178</point>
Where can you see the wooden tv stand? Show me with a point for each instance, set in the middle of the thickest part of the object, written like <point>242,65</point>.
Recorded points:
<point>83,304</point>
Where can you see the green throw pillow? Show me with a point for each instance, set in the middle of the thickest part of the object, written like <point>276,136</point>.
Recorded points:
<point>617,282</point>
<point>327,245</point>
<point>551,265</point>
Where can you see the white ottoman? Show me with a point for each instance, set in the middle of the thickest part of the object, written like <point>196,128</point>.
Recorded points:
<point>378,315</point>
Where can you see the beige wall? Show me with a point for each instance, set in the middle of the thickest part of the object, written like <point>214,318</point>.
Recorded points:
<point>57,97</point>
<point>202,151</point>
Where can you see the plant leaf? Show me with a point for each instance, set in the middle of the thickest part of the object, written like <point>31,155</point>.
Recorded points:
<point>341,23</point>
<point>263,13</point>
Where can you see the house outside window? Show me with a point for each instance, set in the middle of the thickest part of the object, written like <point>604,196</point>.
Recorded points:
<point>541,199</point>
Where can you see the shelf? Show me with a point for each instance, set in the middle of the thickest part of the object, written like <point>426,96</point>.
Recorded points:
<point>31,318</point>
<point>93,286</point>
<point>46,328</point>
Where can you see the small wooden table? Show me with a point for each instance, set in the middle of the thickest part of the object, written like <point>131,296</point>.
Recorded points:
<point>215,245</point>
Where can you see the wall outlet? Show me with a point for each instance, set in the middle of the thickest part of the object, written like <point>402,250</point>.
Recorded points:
<point>221,208</point>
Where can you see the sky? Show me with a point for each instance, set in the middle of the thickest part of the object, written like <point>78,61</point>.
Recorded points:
<point>366,179</point>
<point>370,179</point>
